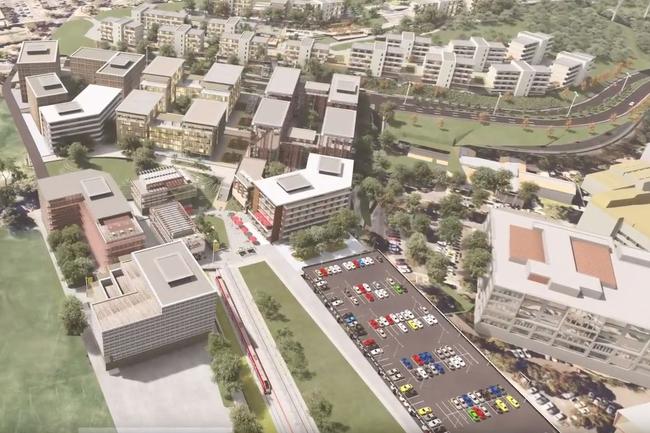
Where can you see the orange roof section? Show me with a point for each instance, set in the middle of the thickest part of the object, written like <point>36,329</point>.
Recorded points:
<point>595,260</point>
<point>526,244</point>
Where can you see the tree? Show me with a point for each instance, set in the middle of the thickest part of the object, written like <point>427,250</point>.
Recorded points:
<point>303,244</point>
<point>387,139</point>
<point>78,154</point>
<point>142,47</point>
<point>225,369</point>
<point>401,173</point>
<point>243,421</point>
<point>7,196</point>
<point>436,265</point>
<point>417,248</point>
<point>479,197</point>
<point>73,316</point>
<point>167,51</point>
<point>420,223</point>
<point>387,110</point>
<point>190,5</point>
<point>320,409</point>
<point>484,178</point>
<point>75,271</point>
<point>15,217</point>
<point>274,168</point>
<point>476,262</point>
<point>268,306</point>
<point>222,9</point>
<point>342,222</point>
<point>452,205</point>
<point>568,123</point>
<point>68,251</point>
<point>182,103</point>
<point>152,33</point>
<point>450,229</point>
<point>371,187</point>
<point>401,221</point>
<point>502,180</point>
<point>144,158</point>
<point>217,343</point>
<point>68,234</point>
<point>129,144</point>
<point>528,193</point>
<point>457,178</point>
<point>413,201</point>
<point>476,240</point>
<point>422,174</point>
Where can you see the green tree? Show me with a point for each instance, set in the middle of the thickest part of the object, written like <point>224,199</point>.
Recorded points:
<point>225,369</point>
<point>452,205</point>
<point>402,173</point>
<point>167,50</point>
<point>413,201</point>
<point>222,9</point>
<point>274,168</point>
<point>457,178</point>
<point>243,421</point>
<point>417,248</point>
<point>78,154</point>
<point>484,178</point>
<point>528,193</point>
<point>401,221</point>
<point>372,188</point>
<point>268,306</point>
<point>75,271</point>
<point>436,265</point>
<point>217,343</point>
<point>182,103</point>
<point>476,240</point>
<point>502,180</point>
<point>420,223</point>
<point>15,218</point>
<point>68,251</point>
<point>479,197</point>
<point>152,33</point>
<point>450,229</point>
<point>73,316</point>
<point>476,262</point>
<point>68,234</point>
<point>7,196</point>
<point>303,244</point>
<point>129,144</point>
<point>144,159</point>
<point>343,221</point>
<point>190,5</point>
<point>422,174</point>
<point>387,110</point>
<point>387,139</point>
<point>142,47</point>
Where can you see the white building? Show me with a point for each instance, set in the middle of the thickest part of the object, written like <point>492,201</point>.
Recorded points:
<point>570,69</point>
<point>183,38</point>
<point>444,68</point>
<point>518,78</point>
<point>368,56</point>
<point>124,29</point>
<point>344,91</point>
<point>482,52</point>
<point>300,52</point>
<point>530,47</point>
<point>570,294</point>
<point>414,47</point>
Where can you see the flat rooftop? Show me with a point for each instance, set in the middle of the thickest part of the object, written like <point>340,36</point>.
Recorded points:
<point>206,112</point>
<point>92,101</point>
<point>120,64</point>
<point>224,73</point>
<point>38,52</point>
<point>174,218</point>
<point>142,102</point>
<point>251,168</point>
<point>339,122</point>
<point>344,89</point>
<point>89,53</point>
<point>164,66</point>
<point>283,82</point>
<point>271,113</point>
<point>46,85</point>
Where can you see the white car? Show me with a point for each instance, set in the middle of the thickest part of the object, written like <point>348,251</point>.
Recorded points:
<point>430,320</point>
<point>424,310</point>
<point>434,423</point>
<point>337,269</point>
<point>382,321</point>
<point>376,351</point>
<point>369,260</point>
<point>321,283</point>
<point>403,327</point>
<point>395,317</point>
<point>337,302</point>
<point>408,315</point>
<point>392,371</point>
<point>348,266</point>
<point>390,281</point>
<point>418,323</point>
<point>422,372</point>
<point>381,293</point>
<point>457,403</point>
<point>404,269</point>
<point>355,301</point>
<point>367,287</point>
<point>381,332</point>
<point>401,317</point>
<point>376,285</point>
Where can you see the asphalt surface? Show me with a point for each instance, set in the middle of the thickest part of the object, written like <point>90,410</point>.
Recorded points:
<point>436,391</point>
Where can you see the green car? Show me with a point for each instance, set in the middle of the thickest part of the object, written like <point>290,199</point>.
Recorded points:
<point>398,288</point>
<point>474,417</point>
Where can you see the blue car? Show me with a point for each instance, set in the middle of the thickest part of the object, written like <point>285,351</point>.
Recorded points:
<point>407,363</point>
<point>496,391</point>
<point>468,401</point>
<point>439,367</point>
<point>362,262</point>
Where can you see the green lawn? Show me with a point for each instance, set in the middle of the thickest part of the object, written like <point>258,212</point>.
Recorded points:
<point>250,388</point>
<point>171,6</point>
<point>208,188</point>
<point>10,145</point>
<point>354,404</point>
<point>425,131</point>
<point>71,35</point>
<point>117,12</point>
<point>121,169</point>
<point>46,379</point>
<point>220,227</point>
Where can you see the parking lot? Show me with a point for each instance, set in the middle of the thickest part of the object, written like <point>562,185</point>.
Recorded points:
<point>449,366</point>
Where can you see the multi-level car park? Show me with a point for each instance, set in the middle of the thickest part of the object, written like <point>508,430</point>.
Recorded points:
<point>441,379</point>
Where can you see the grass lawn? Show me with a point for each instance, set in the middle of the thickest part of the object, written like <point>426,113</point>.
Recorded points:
<point>122,170</point>
<point>354,404</point>
<point>220,227</point>
<point>171,6</point>
<point>427,132</point>
<point>250,389</point>
<point>208,188</point>
<point>46,379</point>
<point>117,12</point>
<point>71,35</point>
<point>10,146</point>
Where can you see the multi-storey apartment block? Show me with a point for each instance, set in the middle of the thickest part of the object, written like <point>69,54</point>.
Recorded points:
<point>368,56</point>
<point>570,69</point>
<point>443,68</point>
<point>108,68</point>
<point>171,222</point>
<point>124,29</point>
<point>518,78</point>
<point>530,47</point>
<point>330,9</point>
<point>283,85</point>
<point>44,89</point>
<point>215,27</point>
<point>222,82</point>
<point>414,47</point>
<point>570,294</point>
<point>249,170</point>
<point>315,97</point>
<point>36,58</point>
<point>293,201</point>
<point>89,116</point>
<point>136,112</point>
<point>240,7</point>
<point>86,61</point>
<point>300,52</point>
<point>147,15</point>
<point>183,38</point>
<point>269,127</point>
<point>157,299</point>
<point>245,46</point>
<point>91,199</point>
<point>482,52</point>
<point>337,133</point>
<point>163,75</point>
<point>159,186</point>
<point>344,91</point>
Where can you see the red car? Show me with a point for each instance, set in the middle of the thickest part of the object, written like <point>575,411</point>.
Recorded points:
<point>373,323</point>
<point>478,411</point>
<point>416,358</point>
<point>356,264</point>
<point>323,272</point>
<point>361,288</point>
<point>369,297</point>
<point>368,342</point>
<point>389,320</point>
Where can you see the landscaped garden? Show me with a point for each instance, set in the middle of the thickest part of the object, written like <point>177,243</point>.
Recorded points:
<point>71,35</point>
<point>122,170</point>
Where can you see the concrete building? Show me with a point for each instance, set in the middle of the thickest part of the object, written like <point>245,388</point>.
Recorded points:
<point>337,133</point>
<point>215,27</point>
<point>315,97</point>
<point>245,46</point>
<point>91,199</point>
<point>269,124</point>
<point>482,52</point>
<point>344,91</point>
<point>108,68</point>
<point>121,29</point>
<point>368,56</point>
<point>249,171</point>
<point>182,38</point>
<point>44,89</point>
<point>36,58</point>
<point>240,7</point>
<point>443,68</point>
<point>570,69</point>
<point>633,419</point>
<point>619,205</point>
<point>530,47</point>
<point>293,201</point>
<point>147,15</point>
<point>136,112</point>
<point>222,82</point>
<point>89,116</point>
<point>414,47</point>
<point>330,9</point>
<point>159,186</point>
<point>300,52</point>
<point>570,294</point>
<point>163,75</point>
<point>86,61</point>
<point>283,83</point>
<point>171,222</point>
<point>518,78</point>
<point>156,299</point>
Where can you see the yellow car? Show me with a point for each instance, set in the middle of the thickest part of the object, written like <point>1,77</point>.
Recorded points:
<point>412,325</point>
<point>405,388</point>
<point>423,411</point>
<point>514,403</point>
<point>501,406</point>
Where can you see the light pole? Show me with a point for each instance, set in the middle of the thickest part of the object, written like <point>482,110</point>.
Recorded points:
<point>575,95</point>
<point>408,89</point>
<point>627,77</point>
<point>645,14</point>
<point>497,104</point>
<point>618,5</point>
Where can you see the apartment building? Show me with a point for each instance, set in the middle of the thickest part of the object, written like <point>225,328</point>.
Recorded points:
<point>249,170</point>
<point>482,52</point>
<point>163,75</point>
<point>136,112</point>
<point>315,97</point>
<point>518,78</point>
<point>240,7</point>
<point>443,68</point>
<point>157,299</point>
<point>283,83</point>
<point>215,27</point>
<point>300,52</point>
<point>36,58</point>
<point>369,56</point>
<point>183,38</point>
<point>121,29</point>
<point>89,116</point>
<point>171,222</point>
<point>337,132</point>
<point>293,201</point>
<point>222,82</point>
<point>245,46</point>
<point>344,91</point>
<point>530,47</point>
<point>567,293</point>
<point>296,146</point>
<point>619,203</point>
<point>159,186</point>
<point>414,47</point>
<point>270,123</point>
<point>44,89</point>
<point>570,68</point>
<point>86,61</point>
<point>329,9</point>
<point>108,68</point>
<point>147,15</point>
<point>91,199</point>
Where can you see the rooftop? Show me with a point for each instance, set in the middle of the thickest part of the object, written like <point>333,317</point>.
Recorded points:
<point>302,134</point>
<point>90,53</point>
<point>164,66</point>
<point>251,168</point>
<point>140,102</point>
<point>283,82</point>
<point>38,52</point>
<point>174,218</point>
<point>206,112</point>
<point>339,122</point>
<point>157,178</point>
<point>46,85</point>
<point>121,63</point>
<point>619,176</point>
<point>271,113</point>
<point>90,102</point>
<point>224,73</point>
<point>345,89</point>
<point>316,87</point>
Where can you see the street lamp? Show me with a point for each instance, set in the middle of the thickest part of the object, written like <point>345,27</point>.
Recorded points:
<point>497,104</point>
<point>575,95</point>
<point>627,77</point>
<point>408,89</point>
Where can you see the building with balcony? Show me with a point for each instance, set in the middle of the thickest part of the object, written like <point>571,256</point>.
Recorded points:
<point>518,78</point>
<point>240,7</point>
<point>567,293</point>
<point>444,68</point>
<point>44,89</point>
<point>91,199</point>
<point>222,83</point>
<point>36,58</point>
<point>163,75</point>
<point>368,57</point>
<point>117,30</point>
<point>570,69</point>
<point>249,170</point>
<point>246,46</point>
<point>154,300</point>
<point>159,186</point>
<point>284,204</point>
<point>171,222</point>
<point>298,53</point>
<point>414,47</point>
<point>482,52</point>
<point>147,15</point>
<point>136,113</point>
<point>530,47</point>
<point>270,124</point>
<point>215,27</point>
<point>108,68</point>
<point>182,38</point>
<point>337,133</point>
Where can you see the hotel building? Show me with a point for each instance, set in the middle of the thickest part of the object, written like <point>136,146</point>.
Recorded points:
<point>36,58</point>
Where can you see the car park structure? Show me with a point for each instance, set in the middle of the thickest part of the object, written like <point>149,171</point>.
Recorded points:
<point>440,377</point>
